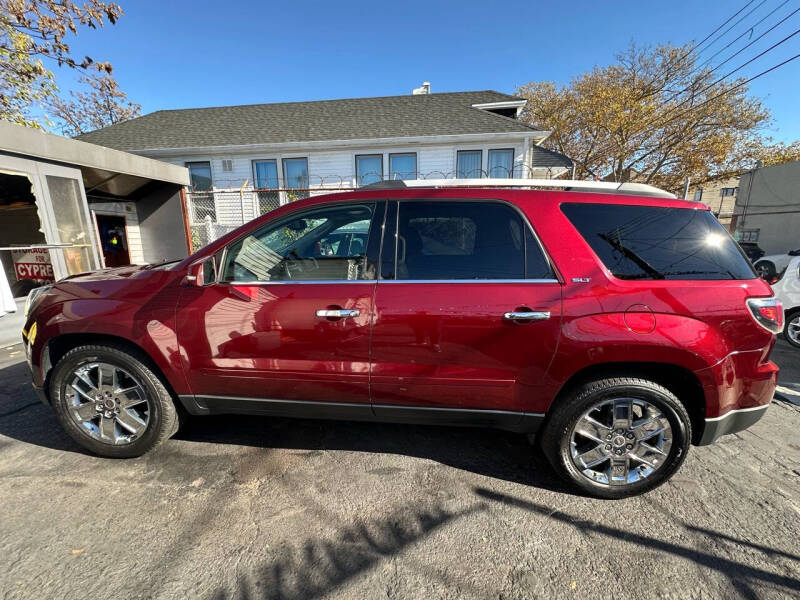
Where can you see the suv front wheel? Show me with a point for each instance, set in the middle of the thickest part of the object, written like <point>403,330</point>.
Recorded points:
<point>111,402</point>
<point>614,438</point>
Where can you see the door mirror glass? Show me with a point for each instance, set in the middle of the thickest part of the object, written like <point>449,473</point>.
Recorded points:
<point>202,273</point>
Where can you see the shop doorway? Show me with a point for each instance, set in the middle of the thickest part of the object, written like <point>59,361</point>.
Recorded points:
<point>113,240</point>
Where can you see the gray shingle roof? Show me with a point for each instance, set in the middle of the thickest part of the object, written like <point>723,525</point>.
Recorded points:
<point>350,119</point>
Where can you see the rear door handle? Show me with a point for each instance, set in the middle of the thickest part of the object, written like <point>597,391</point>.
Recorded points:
<point>341,313</point>
<point>526,316</point>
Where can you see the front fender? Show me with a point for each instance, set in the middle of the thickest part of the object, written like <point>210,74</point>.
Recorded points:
<point>150,327</point>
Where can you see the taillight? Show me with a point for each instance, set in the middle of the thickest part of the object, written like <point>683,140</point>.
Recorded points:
<point>767,312</point>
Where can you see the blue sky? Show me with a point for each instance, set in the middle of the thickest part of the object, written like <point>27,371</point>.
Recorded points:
<point>176,54</point>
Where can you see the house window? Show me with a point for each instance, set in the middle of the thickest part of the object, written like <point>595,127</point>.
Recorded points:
<point>295,177</point>
<point>265,176</point>
<point>403,166</point>
<point>201,196</point>
<point>501,163</point>
<point>369,168</point>
<point>728,191</point>
<point>468,164</point>
<point>748,235</point>
<point>698,194</point>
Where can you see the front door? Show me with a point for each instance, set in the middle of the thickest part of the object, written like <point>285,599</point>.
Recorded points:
<point>469,316</point>
<point>290,315</point>
<point>113,240</point>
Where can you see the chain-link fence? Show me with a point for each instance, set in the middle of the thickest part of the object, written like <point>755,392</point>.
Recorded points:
<point>213,213</point>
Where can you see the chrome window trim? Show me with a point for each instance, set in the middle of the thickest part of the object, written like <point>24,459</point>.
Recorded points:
<point>382,281</point>
<point>469,281</point>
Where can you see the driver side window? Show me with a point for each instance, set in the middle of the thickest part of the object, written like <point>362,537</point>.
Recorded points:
<point>323,244</point>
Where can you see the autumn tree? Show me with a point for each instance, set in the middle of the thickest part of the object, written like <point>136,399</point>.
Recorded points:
<point>655,116</point>
<point>104,104</point>
<point>34,37</point>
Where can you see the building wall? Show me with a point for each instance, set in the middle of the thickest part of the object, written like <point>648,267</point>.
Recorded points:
<point>721,206</point>
<point>769,204</point>
<point>338,166</point>
<point>234,203</point>
<point>161,224</point>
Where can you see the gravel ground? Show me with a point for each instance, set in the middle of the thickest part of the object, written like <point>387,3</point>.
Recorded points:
<point>241,507</point>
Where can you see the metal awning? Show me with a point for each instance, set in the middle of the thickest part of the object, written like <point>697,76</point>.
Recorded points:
<point>103,169</point>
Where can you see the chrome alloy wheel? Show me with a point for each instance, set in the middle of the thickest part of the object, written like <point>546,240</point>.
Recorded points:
<point>793,329</point>
<point>620,441</point>
<point>107,403</point>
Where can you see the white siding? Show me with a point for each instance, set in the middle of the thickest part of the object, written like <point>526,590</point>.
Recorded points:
<point>333,168</point>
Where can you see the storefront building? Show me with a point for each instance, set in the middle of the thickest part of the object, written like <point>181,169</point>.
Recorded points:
<point>68,207</point>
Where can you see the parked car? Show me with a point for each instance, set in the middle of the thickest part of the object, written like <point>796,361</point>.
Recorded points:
<point>786,286</point>
<point>621,328</point>
<point>752,250</point>
<point>771,265</point>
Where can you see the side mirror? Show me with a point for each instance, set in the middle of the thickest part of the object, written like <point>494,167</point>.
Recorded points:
<point>202,273</point>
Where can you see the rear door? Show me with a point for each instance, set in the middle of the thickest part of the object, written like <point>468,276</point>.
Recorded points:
<point>467,309</point>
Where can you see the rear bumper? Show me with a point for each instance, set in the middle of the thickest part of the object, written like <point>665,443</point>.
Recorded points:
<point>731,422</point>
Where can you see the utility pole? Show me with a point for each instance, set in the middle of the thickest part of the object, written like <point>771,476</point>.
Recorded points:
<point>686,188</point>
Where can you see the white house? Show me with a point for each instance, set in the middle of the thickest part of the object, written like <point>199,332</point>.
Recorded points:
<point>245,160</point>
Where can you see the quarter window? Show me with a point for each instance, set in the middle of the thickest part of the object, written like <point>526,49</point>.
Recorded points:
<point>369,168</point>
<point>654,242</point>
<point>403,166</point>
<point>501,163</point>
<point>323,244</point>
<point>465,240</point>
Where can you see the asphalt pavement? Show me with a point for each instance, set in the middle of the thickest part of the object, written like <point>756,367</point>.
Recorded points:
<point>242,507</point>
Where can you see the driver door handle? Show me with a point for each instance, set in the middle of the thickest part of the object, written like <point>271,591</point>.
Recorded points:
<point>341,313</point>
<point>526,317</point>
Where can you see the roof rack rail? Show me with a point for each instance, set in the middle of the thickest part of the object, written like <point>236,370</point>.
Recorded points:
<point>569,185</point>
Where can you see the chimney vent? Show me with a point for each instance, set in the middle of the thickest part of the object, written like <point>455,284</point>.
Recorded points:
<point>425,88</point>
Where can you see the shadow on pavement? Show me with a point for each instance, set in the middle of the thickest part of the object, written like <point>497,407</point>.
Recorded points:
<point>493,453</point>
<point>316,567</point>
<point>744,577</point>
<point>23,417</point>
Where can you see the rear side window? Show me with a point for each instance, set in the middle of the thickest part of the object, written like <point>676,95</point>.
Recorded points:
<point>650,242</point>
<point>466,240</point>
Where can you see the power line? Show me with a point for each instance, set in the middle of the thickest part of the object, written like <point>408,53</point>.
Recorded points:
<point>750,29</point>
<point>653,121</point>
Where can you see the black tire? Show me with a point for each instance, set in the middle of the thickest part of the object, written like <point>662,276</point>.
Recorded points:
<point>765,269</point>
<point>163,418</point>
<point>789,316</point>
<point>555,436</point>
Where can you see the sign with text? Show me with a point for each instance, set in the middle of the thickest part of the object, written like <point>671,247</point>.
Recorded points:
<point>33,263</point>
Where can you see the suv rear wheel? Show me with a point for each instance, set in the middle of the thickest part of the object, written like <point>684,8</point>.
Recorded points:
<point>614,438</point>
<point>111,402</point>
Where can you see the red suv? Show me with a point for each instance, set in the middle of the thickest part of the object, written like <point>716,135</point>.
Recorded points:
<point>621,328</point>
